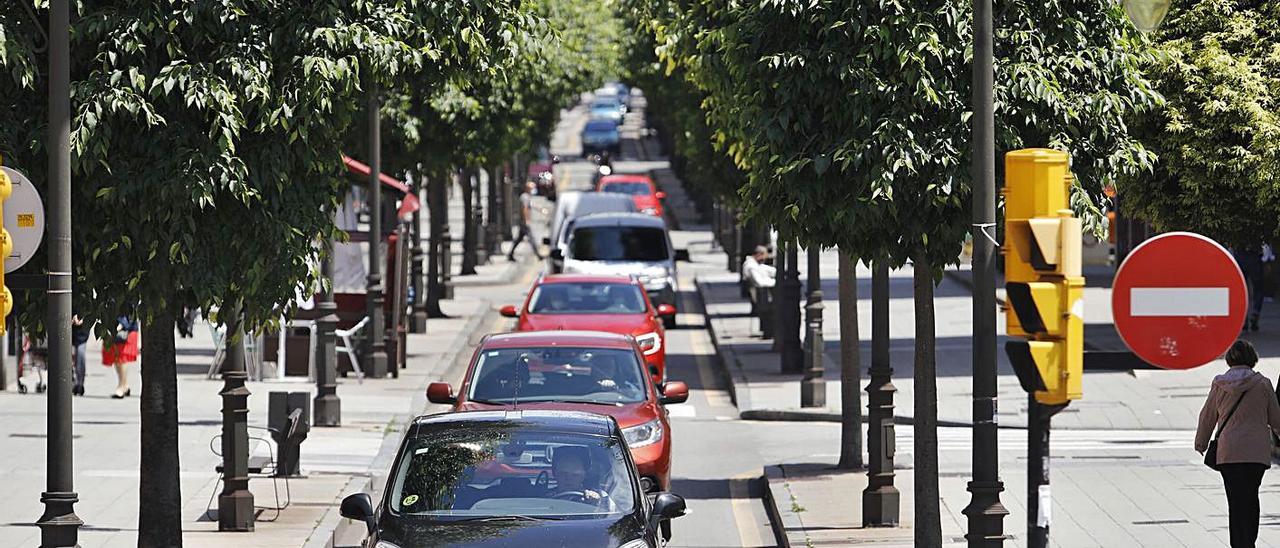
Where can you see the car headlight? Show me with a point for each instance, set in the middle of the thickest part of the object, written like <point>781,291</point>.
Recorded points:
<point>641,435</point>
<point>657,283</point>
<point>650,343</point>
<point>637,543</point>
<point>649,211</point>
<point>384,544</point>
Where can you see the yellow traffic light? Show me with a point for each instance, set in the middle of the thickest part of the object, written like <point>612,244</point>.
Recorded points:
<point>1044,287</point>
<point>6,249</point>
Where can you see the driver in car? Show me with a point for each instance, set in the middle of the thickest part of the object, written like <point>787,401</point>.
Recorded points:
<point>569,466</point>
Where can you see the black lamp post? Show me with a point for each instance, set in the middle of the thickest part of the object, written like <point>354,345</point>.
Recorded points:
<point>813,387</point>
<point>376,360</point>
<point>59,525</point>
<point>327,407</point>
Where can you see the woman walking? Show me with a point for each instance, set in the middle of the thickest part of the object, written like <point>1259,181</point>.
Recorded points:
<point>1242,408</point>
<point>120,352</point>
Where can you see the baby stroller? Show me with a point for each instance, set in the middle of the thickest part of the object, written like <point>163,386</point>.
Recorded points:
<point>32,355</point>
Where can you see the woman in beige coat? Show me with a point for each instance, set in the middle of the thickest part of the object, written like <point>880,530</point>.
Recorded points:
<point>1244,440</point>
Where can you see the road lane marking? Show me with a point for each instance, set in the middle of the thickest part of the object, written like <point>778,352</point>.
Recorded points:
<point>1179,301</point>
<point>740,493</point>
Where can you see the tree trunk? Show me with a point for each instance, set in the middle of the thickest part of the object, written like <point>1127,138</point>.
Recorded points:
<point>159,492</point>
<point>928,516</point>
<point>437,209</point>
<point>850,365</point>
<point>469,258</point>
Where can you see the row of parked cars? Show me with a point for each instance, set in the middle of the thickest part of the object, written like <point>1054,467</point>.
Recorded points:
<point>557,433</point>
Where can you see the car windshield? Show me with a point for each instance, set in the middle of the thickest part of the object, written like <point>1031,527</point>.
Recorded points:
<point>627,187</point>
<point>600,126</point>
<point>619,243</point>
<point>485,469</point>
<point>606,376</point>
<point>586,298</point>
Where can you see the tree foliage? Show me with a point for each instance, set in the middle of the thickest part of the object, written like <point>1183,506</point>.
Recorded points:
<point>1217,136</point>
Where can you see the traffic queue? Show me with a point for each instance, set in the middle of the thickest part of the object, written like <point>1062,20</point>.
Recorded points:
<point>557,433</point>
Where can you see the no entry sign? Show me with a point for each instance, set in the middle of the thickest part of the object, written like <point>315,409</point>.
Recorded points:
<point>1178,300</point>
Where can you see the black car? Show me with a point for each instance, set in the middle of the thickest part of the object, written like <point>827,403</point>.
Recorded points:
<point>513,478</point>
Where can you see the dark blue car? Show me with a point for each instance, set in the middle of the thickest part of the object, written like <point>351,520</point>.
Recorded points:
<point>600,136</point>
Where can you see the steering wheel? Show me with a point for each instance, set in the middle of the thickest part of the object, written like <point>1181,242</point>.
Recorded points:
<point>576,496</point>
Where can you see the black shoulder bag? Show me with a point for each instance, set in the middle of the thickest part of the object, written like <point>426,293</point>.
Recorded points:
<point>1211,454</point>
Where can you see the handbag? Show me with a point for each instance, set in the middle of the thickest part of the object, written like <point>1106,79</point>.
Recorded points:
<point>1211,453</point>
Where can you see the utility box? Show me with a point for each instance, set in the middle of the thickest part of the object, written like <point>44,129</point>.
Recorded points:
<point>289,420</point>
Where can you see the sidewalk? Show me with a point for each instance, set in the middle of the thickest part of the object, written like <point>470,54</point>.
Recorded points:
<point>1113,400</point>
<point>335,462</point>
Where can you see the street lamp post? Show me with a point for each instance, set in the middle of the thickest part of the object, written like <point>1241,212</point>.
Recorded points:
<point>377,357</point>
<point>59,524</point>
<point>327,407</point>
<point>880,499</point>
<point>792,353</point>
<point>235,503</point>
<point>418,317</point>
<point>813,387</point>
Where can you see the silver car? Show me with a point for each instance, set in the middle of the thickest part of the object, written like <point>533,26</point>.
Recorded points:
<point>573,205</point>
<point>627,244</point>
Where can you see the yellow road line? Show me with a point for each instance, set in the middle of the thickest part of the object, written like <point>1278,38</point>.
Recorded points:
<point>740,492</point>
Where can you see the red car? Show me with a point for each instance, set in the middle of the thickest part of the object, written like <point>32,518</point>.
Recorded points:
<point>617,304</point>
<point>641,188</point>
<point>574,371</point>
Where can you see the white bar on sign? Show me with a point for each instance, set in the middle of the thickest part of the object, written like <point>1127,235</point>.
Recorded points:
<point>1179,301</point>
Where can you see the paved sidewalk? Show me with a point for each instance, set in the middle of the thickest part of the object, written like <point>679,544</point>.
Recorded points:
<point>1113,400</point>
<point>335,461</point>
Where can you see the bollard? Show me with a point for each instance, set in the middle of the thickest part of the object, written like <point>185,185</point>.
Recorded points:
<point>288,419</point>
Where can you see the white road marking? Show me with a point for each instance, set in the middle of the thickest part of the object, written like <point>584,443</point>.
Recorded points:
<point>1179,301</point>
<point>740,492</point>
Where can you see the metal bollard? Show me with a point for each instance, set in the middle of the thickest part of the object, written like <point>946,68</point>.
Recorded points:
<point>289,420</point>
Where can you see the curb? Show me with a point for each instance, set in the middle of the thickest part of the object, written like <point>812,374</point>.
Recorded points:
<point>776,522</point>
<point>732,376</point>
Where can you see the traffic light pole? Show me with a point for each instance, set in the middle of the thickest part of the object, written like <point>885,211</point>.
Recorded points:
<point>1039,416</point>
<point>59,525</point>
<point>985,512</point>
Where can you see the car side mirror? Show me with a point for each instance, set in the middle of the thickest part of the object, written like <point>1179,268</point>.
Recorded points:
<point>555,159</point>
<point>674,392</point>
<point>683,255</point>
<point>665,506</point>
<point>660,195</point>
<point>441,392</point>
<point>509,311</point>
<point>665,310</point>
<point>360,507</point>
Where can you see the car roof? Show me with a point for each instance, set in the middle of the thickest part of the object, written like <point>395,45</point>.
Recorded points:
<point>620,219</point>
<point>560,421</point>
<point>562,337</point>
<point>587,278</point>
<point>606,198</point>
<point>626,178</point>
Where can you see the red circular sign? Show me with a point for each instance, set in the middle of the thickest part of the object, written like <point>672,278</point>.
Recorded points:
<point>1179,300</point>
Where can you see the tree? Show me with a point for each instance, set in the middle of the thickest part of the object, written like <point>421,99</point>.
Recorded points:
<point>1217,136</point>
<point>850,121</point>
<point>206,149</point>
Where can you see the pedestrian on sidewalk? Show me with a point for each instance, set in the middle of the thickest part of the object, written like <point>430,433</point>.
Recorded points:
<point>756,271</point>
<point>1251,266</point>
<point>1242,407</point>
<point>79,345</point>
<point>526,218</point>
<point>120,351</point>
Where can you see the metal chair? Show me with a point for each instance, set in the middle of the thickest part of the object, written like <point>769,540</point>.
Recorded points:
<point>349,347</point>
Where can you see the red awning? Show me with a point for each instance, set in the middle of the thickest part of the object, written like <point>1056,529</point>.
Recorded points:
<point>408,204</point>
